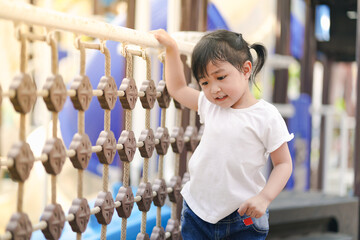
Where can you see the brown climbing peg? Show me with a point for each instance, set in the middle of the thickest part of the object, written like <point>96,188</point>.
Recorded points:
<point>186,178</point>
<point>83,89</point>
<point>126,197</point>
<point>149,90</point>
<point>105,202</point>
<point>162,135</point>
<point>23,158</point>
<point>173,227</point>
<point>191,135</point>
<point>109,88</point>
<point>145,192</point>
<point>163,96</point>
<point>148,139</point>
<point>142,236</point>
<point>158,233</point>
<point>177,136</point>
<point>175,184</point>
<point>128,141</point>
<point>20,226</point>
<point>55,218</point>
<point>56,155</point>
<point>108,143</point>
<point>56,98</point>
<point>81,211</point>
<point>128,86</point>
<point>177,105</point>
<point>159,187</point>
<point>25,93</point>
<point>82,146</point>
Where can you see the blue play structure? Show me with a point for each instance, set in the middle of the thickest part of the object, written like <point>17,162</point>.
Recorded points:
<point>94,124</point>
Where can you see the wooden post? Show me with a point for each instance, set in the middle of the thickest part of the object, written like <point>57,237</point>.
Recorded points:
<point>282,46</point>
<point>193,18</point>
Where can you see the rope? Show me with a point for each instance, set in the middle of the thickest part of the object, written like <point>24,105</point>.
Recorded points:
<point>23,56</point>
<point>81,122</point>
<point>105,177</point>
<point>53,189</point>
<point>20,197</point>
<point>22,127</point>
<point>107,62</point>
<point>80,183</point>
<point>82,58</point>
<point>123,228</point>
<point>103,232</point>
<point>107,119</point>
<point>158,217</point>
<point>54,54</point>
<point>55,121</point>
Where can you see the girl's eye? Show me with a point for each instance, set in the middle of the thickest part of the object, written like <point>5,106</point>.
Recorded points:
<point>204,83</point>
<point>221,78</point>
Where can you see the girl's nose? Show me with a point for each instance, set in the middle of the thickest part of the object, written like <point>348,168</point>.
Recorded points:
<point>215,88</point>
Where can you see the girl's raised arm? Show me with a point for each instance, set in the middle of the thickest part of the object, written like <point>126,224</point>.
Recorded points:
<point>174,72</point>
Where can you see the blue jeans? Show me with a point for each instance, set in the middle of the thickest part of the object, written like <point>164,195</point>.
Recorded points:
<point>230,227</point>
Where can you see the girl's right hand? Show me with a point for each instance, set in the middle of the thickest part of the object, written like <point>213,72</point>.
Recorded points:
<point>164,39</point>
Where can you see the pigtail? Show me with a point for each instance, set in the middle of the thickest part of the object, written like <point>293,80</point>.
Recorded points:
<point>261,57</point>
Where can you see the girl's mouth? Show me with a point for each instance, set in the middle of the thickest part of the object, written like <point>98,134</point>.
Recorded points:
<point>221,98</point>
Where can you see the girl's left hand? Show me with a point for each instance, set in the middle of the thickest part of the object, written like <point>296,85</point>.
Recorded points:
<point>254,207</point>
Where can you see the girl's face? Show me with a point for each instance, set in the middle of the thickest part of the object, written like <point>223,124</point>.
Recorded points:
<point>226,86</point>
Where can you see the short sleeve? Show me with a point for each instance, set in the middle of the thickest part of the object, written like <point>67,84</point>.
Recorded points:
<point>201,103</point>
<point>276,132</point>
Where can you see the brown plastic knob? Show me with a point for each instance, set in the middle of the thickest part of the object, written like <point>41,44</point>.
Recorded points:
<point>127,139</point>
<point>108,143</point>
<point>163,96</point>
<point>81,211</point>
<point>105,202</point>
<point>159,187</point>
<point>57,93</point>
<point>178,135</point>
<point>109,88</point>
<point>56,153</point>
<point>173,227</point>
<point>20,226</point>
<point>158,233</point>
<point>186,178</point>
<point>82,146</point>
<point>175,184</point>
<point>146,194</point>
<point>148,139</point>
<point>126,197</point>
<point>83,97</point>
<point>23,158</point>
<point>162,134</point>
<point>25,93</point>
<point>142,236</point>
<point>148,100</point>
<point>128,86</point>
<point>177,105</point>
<point>55,218</point>
<point>191,134</point>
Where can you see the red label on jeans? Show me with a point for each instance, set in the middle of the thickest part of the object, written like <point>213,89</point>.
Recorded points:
<point>248,221</point>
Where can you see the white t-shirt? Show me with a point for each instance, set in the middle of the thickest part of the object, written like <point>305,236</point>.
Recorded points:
<point>225,169</point>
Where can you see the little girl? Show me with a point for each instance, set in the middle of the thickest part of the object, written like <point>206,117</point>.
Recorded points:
<point>227,196</point>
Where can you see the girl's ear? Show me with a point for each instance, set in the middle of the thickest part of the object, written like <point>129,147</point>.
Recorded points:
<point>247,67</point>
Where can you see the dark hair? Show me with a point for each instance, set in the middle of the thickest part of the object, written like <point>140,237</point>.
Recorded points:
<point>223,45</point>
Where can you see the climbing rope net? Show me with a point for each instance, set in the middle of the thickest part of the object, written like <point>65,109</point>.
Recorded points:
<point>23,93</point>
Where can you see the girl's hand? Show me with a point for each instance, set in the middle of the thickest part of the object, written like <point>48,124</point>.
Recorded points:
<point>254,207</point>
<point>164,39</point>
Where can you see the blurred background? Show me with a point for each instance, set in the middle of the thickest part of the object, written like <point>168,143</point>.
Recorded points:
<point>310,75</point>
